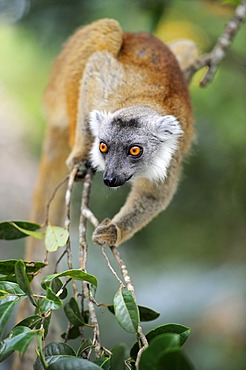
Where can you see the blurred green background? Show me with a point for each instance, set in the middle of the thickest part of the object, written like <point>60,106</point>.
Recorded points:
<point>189,263</point>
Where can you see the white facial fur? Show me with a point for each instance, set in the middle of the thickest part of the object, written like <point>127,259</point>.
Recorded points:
<point>158,135</point>
<point>96,119</point>
<point>169,131</point>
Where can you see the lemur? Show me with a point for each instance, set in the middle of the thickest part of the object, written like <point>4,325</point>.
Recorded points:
<point>119,100</point>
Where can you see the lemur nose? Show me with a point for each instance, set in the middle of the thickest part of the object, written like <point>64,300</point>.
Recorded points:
<point>111,181</point>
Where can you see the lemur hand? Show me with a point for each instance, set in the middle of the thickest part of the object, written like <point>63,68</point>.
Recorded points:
<point>106,234</point>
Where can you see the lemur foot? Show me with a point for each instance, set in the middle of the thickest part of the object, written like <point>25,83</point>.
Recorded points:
<point>106,234</point>
<point>74,158</point>
<point>78,159</point>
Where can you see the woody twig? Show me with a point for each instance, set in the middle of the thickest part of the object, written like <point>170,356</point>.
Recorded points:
<point>67,224</point>
<point>218,53</point>
<point>83,261</point>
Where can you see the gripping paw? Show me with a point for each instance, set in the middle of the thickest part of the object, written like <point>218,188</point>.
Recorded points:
<point>76,157</point>
<point>106,233</point>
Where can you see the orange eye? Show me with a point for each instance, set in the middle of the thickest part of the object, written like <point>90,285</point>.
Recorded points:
<point>103,147</point>
<point>135,151</point>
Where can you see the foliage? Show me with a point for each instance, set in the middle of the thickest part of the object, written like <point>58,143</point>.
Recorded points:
<point>165,342</point>
<point>217,233</point>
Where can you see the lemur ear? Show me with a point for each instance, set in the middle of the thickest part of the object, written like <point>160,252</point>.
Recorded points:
<point>168,127</point>
<point>96,118</point>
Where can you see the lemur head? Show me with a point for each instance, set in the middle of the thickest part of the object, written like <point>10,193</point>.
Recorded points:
<point>133,142</point>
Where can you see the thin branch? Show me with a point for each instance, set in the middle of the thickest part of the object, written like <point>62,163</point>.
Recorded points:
<point>83,220</point>
<point>83,261</point>
<point>52,197</point>
<point>111,268</point>
<point>86,212</point>
<point>68,197</point>
<point>123,269</point>
<point>61,290</point>
<point>69,326</point>
<point>218,53</point>
<point>59,260</point>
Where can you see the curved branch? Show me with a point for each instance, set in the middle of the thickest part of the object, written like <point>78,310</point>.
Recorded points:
<point>218,53</point>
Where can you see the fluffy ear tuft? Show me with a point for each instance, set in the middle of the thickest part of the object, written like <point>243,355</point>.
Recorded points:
<point>168,127</point>
<point>96,118</point>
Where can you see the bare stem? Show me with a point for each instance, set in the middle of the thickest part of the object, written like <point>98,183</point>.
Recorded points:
<point>51,199</point>
<point>59,260</point>
<point>83,260</point>
<point>110,267</point>
<point>83,220</point>
<point>86,212</point>
<point>123,269</point>
<point>218,53</point>
<point>68,196</point>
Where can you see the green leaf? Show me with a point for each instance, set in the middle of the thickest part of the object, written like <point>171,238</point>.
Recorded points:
<point>10,278</point>
<point>50,302</point>
<point>174,359</point>
<point>73,363</point>
<point>22,280</point>
<point>53,352</point>
<point>7,267</point>
<point>181,330</point>
<point>9,231</point>
<point>46,324</point>
<point>8,298</point>
<point>49,360</point>
<point>55,238</point>
<point>56,285</point>
<point>31,321</point>
<point>73,333</point>
<point>119,354</point>
<point>126,310</point>
<point>84,346</point>
<point>75,274</point>
<point>72,312</point>
<point>7,287</point>
<point>86,316</point>
<point>34,234</point>
<point>103,362</point>
<point>18,339</point>
<point>6,310</point>
<point>158,346</point>
<point>58,348</point>
<point>145,313</point>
